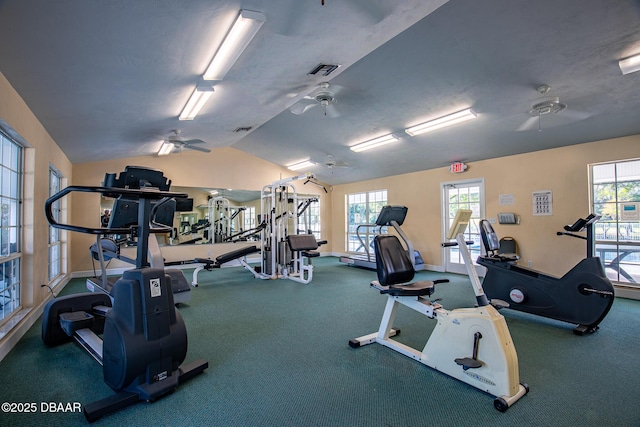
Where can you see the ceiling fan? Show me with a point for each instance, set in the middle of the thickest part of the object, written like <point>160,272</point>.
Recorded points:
<point>324,96</point>
<point>548,106</point>
<point>331,163</point>
<point>179,143</point>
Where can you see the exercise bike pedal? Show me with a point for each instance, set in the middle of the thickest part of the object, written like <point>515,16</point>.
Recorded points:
<point>468,363</point>
<point>70,322</point>
<point>499,304</point>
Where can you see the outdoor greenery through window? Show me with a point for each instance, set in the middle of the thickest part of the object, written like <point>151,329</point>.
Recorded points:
<point>55,243</point>
<point>10,223</point>
<point>363,208</point>
<point>616,197</point>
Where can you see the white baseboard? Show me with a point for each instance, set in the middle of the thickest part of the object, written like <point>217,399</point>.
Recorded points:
<point>14,329</point>
<point>630,292</point>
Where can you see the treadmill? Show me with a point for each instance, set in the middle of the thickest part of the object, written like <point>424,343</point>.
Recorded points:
<point>390,216</point>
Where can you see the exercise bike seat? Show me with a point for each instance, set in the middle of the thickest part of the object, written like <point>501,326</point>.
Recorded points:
<point>395,270</point>
<point>492,245</point>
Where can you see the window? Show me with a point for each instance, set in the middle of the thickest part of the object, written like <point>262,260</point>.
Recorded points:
<point>309,219</point>
<point>55,242</point>
<point>10,225</point>
<point>615,195</point>
<point>250,218</point>
<point>363,208</point>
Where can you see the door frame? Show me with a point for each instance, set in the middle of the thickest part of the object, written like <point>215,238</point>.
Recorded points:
<point>446,264</point>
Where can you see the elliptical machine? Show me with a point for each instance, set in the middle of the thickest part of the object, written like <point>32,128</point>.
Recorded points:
<point>144,339</point>
<point>583,296</point>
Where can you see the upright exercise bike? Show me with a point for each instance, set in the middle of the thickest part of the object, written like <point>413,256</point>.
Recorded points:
<point>144,339</point>
<point>472,345</point>
<point>583,296</point>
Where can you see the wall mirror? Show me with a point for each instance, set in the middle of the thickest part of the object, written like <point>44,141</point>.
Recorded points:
<point>221,215</point>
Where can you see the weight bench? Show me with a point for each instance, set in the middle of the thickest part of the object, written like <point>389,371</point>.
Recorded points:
<point>209,264</point>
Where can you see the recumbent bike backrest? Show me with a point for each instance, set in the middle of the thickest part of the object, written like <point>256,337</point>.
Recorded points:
<point>489,238</point>
<point>393,264</point>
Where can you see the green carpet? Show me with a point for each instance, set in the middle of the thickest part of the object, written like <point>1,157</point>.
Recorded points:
<point>278,355</point>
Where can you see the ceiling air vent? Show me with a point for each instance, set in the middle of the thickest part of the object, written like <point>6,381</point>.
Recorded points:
<point>323,70</point>
<point>243,129</point>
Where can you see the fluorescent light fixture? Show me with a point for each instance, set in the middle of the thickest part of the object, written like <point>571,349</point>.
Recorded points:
<point>301,165</point>
<point>165,149</point>
<point>199,97</point>
<point>237,39</point>
<point>630,65</point>
<point>451,119</point>
<point>376,142</point>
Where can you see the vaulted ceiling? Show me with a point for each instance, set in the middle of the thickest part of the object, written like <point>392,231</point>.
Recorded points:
<point>108,79</point>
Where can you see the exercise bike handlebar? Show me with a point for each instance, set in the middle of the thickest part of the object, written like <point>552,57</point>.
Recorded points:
<point>449,244</point>
<point>140,194</point>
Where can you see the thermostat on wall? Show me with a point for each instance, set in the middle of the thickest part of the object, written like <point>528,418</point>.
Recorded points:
<point>508,218</point>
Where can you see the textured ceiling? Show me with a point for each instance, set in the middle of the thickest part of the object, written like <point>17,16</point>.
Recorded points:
<point>108,79</point>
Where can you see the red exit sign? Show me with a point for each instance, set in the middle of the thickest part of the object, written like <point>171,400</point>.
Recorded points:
<point>457,167</point>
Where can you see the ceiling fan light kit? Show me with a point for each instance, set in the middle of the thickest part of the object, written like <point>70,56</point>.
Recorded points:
<point>630,65</point>
<point>374,143</point>
<point>449,120</point>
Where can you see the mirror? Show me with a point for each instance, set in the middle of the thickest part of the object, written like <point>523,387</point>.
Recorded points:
<point>219,215</point>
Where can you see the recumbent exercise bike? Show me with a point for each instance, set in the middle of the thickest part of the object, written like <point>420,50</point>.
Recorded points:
<point>583,296</point>
<point>471,344</point>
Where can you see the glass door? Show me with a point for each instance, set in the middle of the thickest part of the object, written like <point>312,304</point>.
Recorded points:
<point>463,195</point>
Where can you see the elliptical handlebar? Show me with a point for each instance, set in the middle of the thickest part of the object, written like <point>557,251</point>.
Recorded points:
<point>139,194</point>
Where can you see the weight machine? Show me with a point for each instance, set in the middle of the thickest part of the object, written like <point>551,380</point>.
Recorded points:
<point>284,255</point>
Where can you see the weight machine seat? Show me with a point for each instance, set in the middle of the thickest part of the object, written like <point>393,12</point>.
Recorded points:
<point>303,243</point>
<point>395,270</point>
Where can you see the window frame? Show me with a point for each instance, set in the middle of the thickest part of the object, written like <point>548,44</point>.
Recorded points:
<point>55,240</point>
<point>11,257</point>
<point>616,249</point>
<point>373,202</point>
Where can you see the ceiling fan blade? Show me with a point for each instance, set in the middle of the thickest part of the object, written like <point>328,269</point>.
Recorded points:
<point>302,107</point>
<point>574,115</point>
<point>195,147</point>
<point>193,141</point>
<point>331,111</point>
<point>529,124</point>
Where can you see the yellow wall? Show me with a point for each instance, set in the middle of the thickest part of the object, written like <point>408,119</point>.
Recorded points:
<point>564,171</point>
<point>17,119</point>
